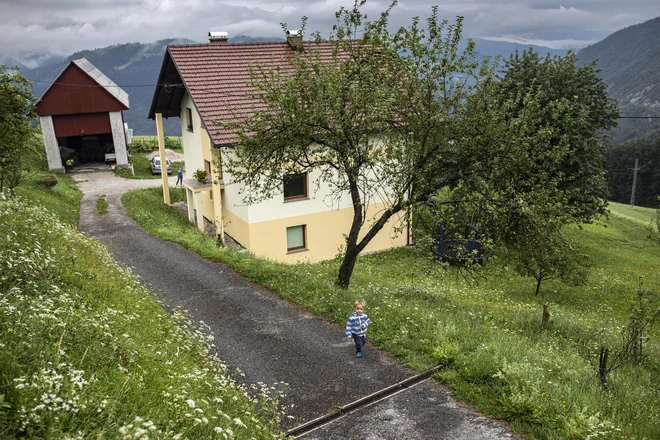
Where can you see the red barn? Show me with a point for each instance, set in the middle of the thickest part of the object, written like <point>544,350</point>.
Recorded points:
<point>81,117</point>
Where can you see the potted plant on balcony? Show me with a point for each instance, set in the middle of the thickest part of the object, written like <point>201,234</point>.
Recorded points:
<point>201,176</point>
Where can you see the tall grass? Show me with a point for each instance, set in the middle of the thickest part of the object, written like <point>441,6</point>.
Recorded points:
<point>504,362</point>
<point>86,351</point>
<point>63,199</point>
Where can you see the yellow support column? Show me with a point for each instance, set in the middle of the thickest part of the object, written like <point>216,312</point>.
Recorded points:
<point>216,179</point>
<point>163,158</point>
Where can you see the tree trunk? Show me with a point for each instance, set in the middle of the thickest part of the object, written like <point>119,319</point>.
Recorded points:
<point>602,364</point>
<point>347,266</point>
<point>352,248</point>
<point>538,285</point>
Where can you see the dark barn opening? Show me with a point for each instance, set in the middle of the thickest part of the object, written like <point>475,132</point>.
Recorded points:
<point>86,149</point>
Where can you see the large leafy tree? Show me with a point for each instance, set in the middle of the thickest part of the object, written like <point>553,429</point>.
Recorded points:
<point>574,110</point>
<point>539,130</point>
<point>528,149</point>
<point>372,118</point>
<point>16,112</point>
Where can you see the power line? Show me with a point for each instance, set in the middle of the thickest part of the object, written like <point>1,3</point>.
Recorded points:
<point>639,117</point>
<point>98,85</point>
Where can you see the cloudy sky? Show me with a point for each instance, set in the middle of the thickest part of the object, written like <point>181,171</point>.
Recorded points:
<point>60,27</point>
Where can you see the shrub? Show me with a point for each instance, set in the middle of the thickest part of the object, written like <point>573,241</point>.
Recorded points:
<point>50,181</point>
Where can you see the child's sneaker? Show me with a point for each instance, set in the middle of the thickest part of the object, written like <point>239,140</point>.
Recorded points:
<point>358,354</point>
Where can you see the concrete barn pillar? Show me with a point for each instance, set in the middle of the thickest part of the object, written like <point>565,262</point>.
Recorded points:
<point>119,139</point>
<point>50,141</point>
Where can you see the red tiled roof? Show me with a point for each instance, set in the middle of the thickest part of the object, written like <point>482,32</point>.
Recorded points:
<point>217,76</point>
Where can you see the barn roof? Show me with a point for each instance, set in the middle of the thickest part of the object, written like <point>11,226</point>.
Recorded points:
<point>103,80</point>
<point>217,77</point>
<point>81,88</point>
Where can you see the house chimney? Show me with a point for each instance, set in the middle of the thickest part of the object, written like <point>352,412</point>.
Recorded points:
<point>218,37</point>
<point>295,39</point>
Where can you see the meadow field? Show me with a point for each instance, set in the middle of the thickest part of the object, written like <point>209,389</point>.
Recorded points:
<point>504,362</point>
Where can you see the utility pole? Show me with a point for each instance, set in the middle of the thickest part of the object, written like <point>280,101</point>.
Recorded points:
<point>632,195</point>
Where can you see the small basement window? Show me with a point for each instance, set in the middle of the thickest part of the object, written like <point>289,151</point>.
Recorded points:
<point>295,186</point>
<point>295,239</point>
<point>189,120</point>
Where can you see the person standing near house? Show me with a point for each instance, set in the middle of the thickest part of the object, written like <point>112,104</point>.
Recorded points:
<point>179,176</point>
<point>356,327</point>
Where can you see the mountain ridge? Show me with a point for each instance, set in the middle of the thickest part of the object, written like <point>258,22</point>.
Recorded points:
<point>134,65</point>
<point>629,62</point>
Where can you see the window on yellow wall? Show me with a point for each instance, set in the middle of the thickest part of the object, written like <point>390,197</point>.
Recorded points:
<point>295,238</point>
<point>189,119</point>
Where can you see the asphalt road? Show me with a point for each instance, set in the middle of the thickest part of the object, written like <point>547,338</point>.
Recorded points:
<point>272,341</point>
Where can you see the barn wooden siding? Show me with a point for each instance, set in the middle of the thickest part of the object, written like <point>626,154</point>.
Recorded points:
<point>75,92</point>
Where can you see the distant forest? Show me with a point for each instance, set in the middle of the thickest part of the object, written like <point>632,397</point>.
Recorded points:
<point>619,164</point>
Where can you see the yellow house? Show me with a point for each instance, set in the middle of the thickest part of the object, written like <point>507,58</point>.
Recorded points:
<point>204,84</point>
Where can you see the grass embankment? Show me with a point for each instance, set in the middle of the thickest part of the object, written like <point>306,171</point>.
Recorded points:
<point>63,199</point>
<point>87,352</point>
<point>504,363</point>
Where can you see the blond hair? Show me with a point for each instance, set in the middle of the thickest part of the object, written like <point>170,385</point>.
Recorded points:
<point>360,302</point>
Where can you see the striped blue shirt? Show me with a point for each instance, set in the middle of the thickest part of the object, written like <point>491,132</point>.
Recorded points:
<point>357,324</point>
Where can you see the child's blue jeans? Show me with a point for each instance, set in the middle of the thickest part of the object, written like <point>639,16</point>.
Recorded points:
<point>359,342</point>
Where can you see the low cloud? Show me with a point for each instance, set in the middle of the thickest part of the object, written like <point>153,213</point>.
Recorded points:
<point>552,44</point>
<point>37,29</point>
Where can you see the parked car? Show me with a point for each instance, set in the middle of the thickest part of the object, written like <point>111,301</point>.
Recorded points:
<point>155,165</point>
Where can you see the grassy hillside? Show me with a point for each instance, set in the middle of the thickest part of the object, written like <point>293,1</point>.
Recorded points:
<point>503,361</point>
<point>86,351</point>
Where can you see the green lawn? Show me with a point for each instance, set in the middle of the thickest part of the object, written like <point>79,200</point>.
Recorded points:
<point>503,362</point>
<point>638,213</point>
<point>142,168</point>
<point>174,143</point>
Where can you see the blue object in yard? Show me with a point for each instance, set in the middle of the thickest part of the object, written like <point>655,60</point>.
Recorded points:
<point>460,248</point>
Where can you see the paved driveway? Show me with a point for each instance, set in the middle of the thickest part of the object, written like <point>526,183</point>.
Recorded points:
<point>271,340</point>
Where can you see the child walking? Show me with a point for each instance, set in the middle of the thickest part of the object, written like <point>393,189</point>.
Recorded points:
<point>356,327</point>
